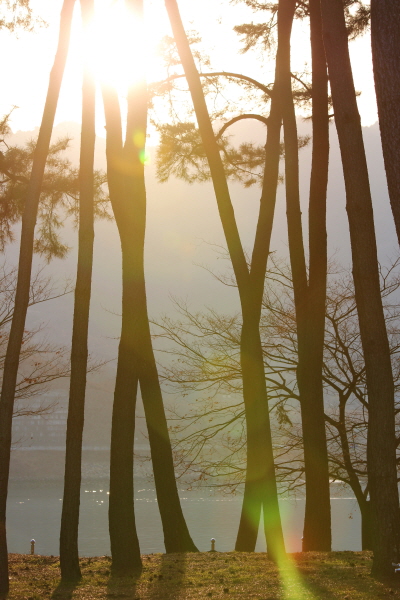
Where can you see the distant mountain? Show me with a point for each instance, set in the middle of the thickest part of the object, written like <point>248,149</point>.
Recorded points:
<point>183,229</point>
<point>183,225</point>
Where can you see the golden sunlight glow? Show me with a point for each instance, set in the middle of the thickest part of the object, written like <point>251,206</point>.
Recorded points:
<point>115,45</point>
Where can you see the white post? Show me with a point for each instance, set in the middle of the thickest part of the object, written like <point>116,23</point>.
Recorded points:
<point>32,546</point>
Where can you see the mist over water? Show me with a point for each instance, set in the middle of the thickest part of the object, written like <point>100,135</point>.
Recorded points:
<point>34,511</point>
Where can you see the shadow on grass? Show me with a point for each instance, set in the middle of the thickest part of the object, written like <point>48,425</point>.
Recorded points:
<point>347,583</point>
<point>317,590</point>
<point>122,587</point>
<point>298,584</point>
<point>169,578</point>
<point>65,590</point>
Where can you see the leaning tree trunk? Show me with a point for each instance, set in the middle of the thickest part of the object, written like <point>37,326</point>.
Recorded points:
<point>249,285</point>
<point>69,557</point>
<point>309,301</point>
<point>176,534</point>
<point>381,445</point>
<point>24,276</point>
<point>385,37</point>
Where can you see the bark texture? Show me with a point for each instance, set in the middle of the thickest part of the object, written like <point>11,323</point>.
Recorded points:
<point>260,487</point>
<point>24,276</point>
<point>385,37</point>
<point>69,557</point>
<point>381,452</point>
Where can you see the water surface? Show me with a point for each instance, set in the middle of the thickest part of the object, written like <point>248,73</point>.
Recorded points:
<point>34,511</point>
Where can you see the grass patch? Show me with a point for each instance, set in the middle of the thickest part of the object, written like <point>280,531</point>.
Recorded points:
<point>225,575</point>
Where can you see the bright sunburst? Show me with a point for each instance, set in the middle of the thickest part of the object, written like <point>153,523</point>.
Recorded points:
<point>115,45</point>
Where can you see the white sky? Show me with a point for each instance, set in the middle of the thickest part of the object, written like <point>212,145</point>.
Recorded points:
<point>29,57</point>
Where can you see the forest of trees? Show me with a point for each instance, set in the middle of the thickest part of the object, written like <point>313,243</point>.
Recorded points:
<point>309,365</point>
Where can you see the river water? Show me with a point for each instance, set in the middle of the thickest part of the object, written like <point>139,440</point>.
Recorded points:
<point>34,511</point>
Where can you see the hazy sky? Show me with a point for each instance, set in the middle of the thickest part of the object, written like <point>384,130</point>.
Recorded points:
<point>29,57</point>
<point>182,220</point>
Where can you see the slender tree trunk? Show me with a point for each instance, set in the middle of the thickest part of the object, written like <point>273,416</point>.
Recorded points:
<point>260,483</point>
<point>128,197</point>
<point>385,37</point>
<point>125,549</point>
<point>309,297</point>
<point>317,521</point>
<point>255,394</point>
<point>69,557</point>
<point>381,449</point>
<point>24,276</point>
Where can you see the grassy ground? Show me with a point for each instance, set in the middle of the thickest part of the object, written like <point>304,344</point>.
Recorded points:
<point>311,576</point>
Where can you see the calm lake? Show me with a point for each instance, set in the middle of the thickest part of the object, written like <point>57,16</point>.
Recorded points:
<point>34,511</point>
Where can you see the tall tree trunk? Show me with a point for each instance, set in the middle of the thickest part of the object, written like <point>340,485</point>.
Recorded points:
<point>381,448</point>
<point>69,557</point>
<point>317,520</point>
<point>24,276</point>
<point>385,37</point>
<point>260,482</point>
<point>265,494</point>
<point>125,549</point>
<point>128,197</point>
<point>309,296</point>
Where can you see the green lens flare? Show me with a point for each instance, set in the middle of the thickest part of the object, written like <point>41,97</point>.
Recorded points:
<point>144,157</point>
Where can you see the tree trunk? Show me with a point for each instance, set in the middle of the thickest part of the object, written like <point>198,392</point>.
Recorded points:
<point>381,450</point>
<point>128,198</point>
<point>385,37</point>
<point>309,297</point>
<point>125,549</point>
<point>317,520</point>
<point>69,557</point>
<point>366,526</point>
<point>260,485</point>
<point>250,286</point>
<point>176,534</point>
<point>255,394</point>
<point>24,276</point>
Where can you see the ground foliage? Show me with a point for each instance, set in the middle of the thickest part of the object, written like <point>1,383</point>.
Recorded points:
<point>307,576</point>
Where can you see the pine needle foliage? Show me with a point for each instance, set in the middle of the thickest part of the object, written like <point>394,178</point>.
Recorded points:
<point>59,199</point>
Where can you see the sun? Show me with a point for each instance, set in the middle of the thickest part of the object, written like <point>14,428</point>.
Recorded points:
<point>115,45</point>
